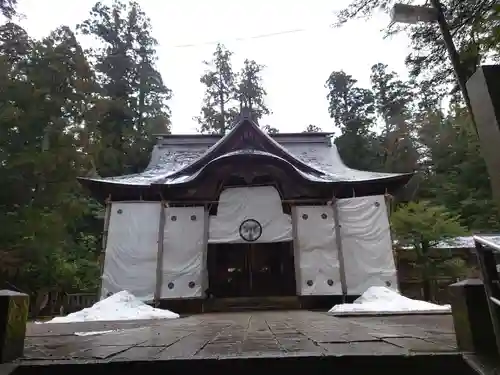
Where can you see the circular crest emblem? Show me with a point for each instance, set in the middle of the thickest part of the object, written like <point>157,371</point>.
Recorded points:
<point>250,230</point>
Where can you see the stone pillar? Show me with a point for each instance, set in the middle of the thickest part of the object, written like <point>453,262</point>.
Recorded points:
<point>484,92</point>
<point>13,317</point>
<point>471,317</point>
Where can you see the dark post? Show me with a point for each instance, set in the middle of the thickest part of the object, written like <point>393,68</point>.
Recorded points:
<point>471,317</point>
<point>484,91</point>
<point>13,317</point>
<point>456,63</point>
<point>487,263</point>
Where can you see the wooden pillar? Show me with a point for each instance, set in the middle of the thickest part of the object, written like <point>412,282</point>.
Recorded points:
<point>471,317</point>
<point>296,251</point>
<point>338,240</point>
<point>102,256</point>
<point>13,317</point>
<point>484,92</point>
<point>389,199</point>
<point>159,258</point>
<point>206,237</point>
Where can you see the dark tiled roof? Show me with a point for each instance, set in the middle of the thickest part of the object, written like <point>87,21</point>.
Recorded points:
<point>321,154</point>
<point>177,159</point>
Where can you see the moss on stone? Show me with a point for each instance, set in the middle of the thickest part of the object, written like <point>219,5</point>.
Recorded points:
<point>14,326</point>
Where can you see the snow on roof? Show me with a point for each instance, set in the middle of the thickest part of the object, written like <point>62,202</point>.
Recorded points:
<point>169,157</point>
<point>178,159</point>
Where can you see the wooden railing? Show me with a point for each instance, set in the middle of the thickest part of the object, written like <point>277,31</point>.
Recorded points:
<point>488,252</point>
<point>78,301</point>
<point>58,303</point>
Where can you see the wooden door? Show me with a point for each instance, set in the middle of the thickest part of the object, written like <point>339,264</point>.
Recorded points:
<point>265,269</point>
<point>228,270</point>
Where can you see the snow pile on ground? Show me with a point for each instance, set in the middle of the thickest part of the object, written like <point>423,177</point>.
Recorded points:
<point>120,306</point>
<point>379,299</point>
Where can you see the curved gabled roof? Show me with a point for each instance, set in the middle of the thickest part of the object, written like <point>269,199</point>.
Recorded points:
<point>245,135</point>
<point>177,160</point>
<point>184,178</point>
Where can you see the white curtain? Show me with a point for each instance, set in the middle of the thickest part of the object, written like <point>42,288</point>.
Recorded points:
<point>183,253</point>
<point>318,271</point>
<point>366,247</point>
<point>366,244</point>
<point>132,249</point>
<point>132,244</point>
<point>262,204</point>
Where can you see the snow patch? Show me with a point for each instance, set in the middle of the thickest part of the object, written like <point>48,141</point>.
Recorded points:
<point>120,306</point>
<point>380,300</point>
<point>94,333</point>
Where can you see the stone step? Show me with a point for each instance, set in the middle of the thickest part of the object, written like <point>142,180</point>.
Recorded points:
<point>252,303</point>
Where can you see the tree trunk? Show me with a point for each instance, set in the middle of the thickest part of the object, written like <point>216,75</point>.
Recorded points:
<point>221,98</point>
<point>41,300</point>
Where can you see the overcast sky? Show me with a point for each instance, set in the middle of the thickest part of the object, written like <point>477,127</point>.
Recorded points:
<point>297,63</point>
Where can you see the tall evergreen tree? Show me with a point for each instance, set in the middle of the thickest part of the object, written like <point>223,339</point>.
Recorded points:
<point>133,98</point>
<point>43,103</point>
<point>456,174</point>
<point>61,116</point>
<point>218,110</point>
<point>393,100</point>
<point>227,93</point>
<point>249,90</point>
<point>353,110</point>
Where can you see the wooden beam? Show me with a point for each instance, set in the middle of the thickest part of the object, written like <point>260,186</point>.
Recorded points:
<point>484,92</point>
